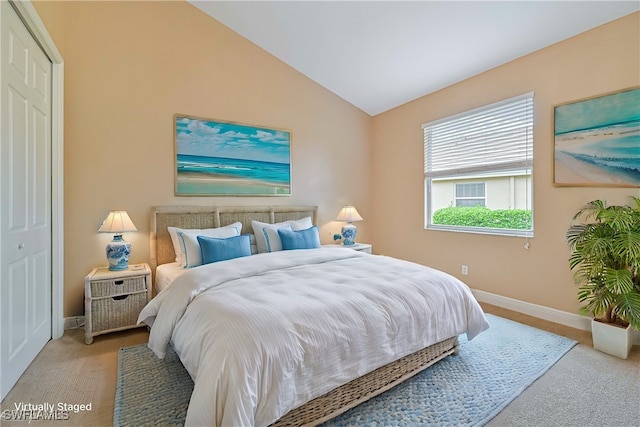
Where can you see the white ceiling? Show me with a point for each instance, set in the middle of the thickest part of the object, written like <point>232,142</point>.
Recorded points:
<point>380,54</point>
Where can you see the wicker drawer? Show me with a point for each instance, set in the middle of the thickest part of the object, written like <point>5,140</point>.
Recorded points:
<point>113,299</point>
<point>110,287</point>
<point>116,312</point>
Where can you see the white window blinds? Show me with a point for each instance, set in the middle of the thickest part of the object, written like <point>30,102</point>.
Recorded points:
<point>494,138</point>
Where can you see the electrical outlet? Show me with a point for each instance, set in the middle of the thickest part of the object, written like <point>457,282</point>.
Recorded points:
<point>465,270</point>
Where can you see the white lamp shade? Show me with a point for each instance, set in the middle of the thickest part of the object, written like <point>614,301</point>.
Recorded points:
<point>117,222</point>
<point>349,214</point>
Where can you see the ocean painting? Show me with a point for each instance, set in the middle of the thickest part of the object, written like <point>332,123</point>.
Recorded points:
<point>597,141</point>
<point>229,159</point>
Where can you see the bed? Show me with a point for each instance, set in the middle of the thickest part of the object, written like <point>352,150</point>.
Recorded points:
<point>296,337</point>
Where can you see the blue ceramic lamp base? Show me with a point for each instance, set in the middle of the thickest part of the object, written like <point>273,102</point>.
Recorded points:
<point>349,232</point>
<point>118,252</point>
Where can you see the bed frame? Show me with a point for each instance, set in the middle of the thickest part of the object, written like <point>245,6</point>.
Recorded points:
<point>340,399</point>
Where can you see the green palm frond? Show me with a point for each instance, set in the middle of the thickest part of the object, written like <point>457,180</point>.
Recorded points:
<point>576,234</point>
<point>600,246</point>
<point>591,210</point>
<point>597,303</point>
<point>626,246</point>
<point>618,281</point>
<point>575,260</point>
<point>618,217</point>
<point>628,308</point>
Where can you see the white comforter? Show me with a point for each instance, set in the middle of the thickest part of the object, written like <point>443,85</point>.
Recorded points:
<point>262,335</point>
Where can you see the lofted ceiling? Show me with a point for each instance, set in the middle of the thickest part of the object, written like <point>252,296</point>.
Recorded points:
<point>381,54</point>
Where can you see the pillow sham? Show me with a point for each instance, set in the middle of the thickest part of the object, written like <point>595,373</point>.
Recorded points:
<point>216,249</point>
<point>261,241</point>
<point>271,237</point>
<point>191,253</point>
<point>175,241</point>
<point>303,239</point>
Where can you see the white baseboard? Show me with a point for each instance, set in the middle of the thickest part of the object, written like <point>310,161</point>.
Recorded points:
<point>75,322</point>
<point>541,312</point>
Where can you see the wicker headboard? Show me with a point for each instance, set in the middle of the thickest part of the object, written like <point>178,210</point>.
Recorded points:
<point>213,216</point>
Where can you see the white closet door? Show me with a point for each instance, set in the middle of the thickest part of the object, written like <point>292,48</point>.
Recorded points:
<point>25,186</point>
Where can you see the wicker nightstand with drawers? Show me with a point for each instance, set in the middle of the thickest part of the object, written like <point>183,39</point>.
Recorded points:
<point>113,299</point>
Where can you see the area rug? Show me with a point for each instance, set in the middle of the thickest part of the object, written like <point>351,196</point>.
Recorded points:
<point>464,390</point>
<point>151,391</point>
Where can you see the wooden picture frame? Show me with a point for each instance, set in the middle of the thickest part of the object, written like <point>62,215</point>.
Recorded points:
<point>597,141</point>
<point>216,158</point>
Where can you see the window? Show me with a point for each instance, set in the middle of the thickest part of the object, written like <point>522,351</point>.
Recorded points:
<point>478,169</point>
<point>470,194</point>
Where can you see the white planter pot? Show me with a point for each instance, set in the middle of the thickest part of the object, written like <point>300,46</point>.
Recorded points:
<point>612,340</point>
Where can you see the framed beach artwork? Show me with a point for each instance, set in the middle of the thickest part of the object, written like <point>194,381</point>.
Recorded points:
<point>597,141</point>
<point>215,158</point>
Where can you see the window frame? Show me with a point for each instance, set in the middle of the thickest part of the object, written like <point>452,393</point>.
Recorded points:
<point>520,168</point>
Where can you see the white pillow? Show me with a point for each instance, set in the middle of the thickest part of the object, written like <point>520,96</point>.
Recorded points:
<point>188,241</point>
<point>177,246</point>
<point>274,239</point>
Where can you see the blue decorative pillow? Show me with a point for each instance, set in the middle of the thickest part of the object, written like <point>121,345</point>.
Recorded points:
<point>303,239</point>
<point>215,249</point>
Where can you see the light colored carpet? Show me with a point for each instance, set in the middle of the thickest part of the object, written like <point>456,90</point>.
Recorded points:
<point>69,371</point>
<point>468,389</point>
<point>585,388</point>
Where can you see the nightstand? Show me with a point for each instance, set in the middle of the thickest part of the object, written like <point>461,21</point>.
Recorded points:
<point>113,299</point>
<point>361,247</point>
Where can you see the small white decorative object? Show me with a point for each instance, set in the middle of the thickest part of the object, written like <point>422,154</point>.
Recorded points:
<point>118,250</point>
<point>349,214</point>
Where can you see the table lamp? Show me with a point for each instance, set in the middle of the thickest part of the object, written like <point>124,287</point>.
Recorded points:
<point>349,214</point>
<point>118,250</point>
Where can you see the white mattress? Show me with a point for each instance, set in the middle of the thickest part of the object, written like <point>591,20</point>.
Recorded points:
<point>167,273</point>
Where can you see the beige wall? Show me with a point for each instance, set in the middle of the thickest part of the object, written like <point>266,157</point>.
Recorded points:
<point>129,66</point>
<point>601,60</point>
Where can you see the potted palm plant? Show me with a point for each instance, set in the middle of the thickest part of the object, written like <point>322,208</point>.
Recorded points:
<point>605,257</point>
